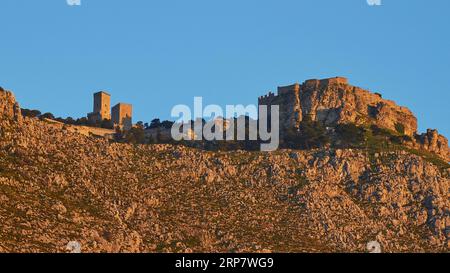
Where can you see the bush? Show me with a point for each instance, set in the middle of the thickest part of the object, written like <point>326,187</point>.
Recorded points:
<point>167,124</point>
<point>400,139</point>
<point>378,131</point>
<point>400,128</point>
<point>30,113</point>
<point>311,134</point>
<point>350,134</point>
<point>135,135</point>
<point>82,121</point>
<point>47,116</point>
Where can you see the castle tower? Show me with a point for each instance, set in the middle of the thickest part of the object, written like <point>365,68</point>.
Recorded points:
<point>102,110</point>
<point>102,104</point>
<point>122,115</point>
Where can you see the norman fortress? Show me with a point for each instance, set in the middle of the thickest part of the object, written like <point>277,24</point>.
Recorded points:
<point>121,114</point>
<point>333,101</point>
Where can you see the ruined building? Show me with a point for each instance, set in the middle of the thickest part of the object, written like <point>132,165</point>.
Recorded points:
<point>102,107</point>
<point>121,113</point>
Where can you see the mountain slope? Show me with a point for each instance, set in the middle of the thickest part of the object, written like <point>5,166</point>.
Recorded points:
<point>57,186</point>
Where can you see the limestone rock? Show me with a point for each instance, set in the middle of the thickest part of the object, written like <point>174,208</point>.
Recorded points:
<point>434,142</point>
<point>334,101</point>
<point>9,108</point>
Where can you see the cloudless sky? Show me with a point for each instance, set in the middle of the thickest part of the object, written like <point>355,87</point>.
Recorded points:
<point>158,53</point>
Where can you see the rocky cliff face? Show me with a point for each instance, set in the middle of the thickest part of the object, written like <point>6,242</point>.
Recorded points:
<point>433,142</point>
<point>9,108</point>
<point>334,101</point>
<point>57,186</point>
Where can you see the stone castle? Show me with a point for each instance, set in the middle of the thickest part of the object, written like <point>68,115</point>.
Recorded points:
<point>121,116</point>
<point>334,101</point>
<point>330,101</point>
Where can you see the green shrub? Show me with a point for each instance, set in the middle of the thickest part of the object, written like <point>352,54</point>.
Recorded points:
<point>47,116</point>
<point>135,135</point>
<point>400,139</point>
<point>311,134</point>
<point>400,128</point>
<point>30,113</point>
<point>350,134</point>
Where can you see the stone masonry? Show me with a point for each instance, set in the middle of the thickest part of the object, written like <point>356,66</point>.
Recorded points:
<point>122,115</point>
<point>102,107</point>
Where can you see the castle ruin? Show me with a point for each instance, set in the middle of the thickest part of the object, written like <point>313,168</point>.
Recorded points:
<point>102,107</point>
<point>121,116</point>
<point>333,101</point>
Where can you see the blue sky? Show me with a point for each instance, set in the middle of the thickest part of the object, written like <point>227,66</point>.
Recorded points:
<point>155,54</point>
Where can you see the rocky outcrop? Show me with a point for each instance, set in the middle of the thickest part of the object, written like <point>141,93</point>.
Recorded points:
<point>433,142</point>
<point>333,101</point>
<point>9,108</point>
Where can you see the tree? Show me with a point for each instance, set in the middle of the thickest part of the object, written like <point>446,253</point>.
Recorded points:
<point>155,123</point>
<point>47,116</point>
<point>135,135</point>
<point>70,120</point>
<point>140,124</point>
<point>310,135</point>
<point>167,124</point>
<point>400,128</point>
<point>350,134</point>
<point>30,113</point>
<point>81,121</point>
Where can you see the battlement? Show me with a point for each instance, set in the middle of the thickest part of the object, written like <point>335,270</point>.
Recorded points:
<point>102,93</point>
<point>328,81</point>
<point>270,95</point>
<point>282,90</point>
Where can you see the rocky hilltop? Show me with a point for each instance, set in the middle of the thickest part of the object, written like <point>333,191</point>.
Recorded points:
<point>9,108</point>
<point>57,186</point>
<point>334,101</point>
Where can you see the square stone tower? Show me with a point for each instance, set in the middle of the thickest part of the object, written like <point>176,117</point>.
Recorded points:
<point>102,104</point>
<point>122,115</point>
